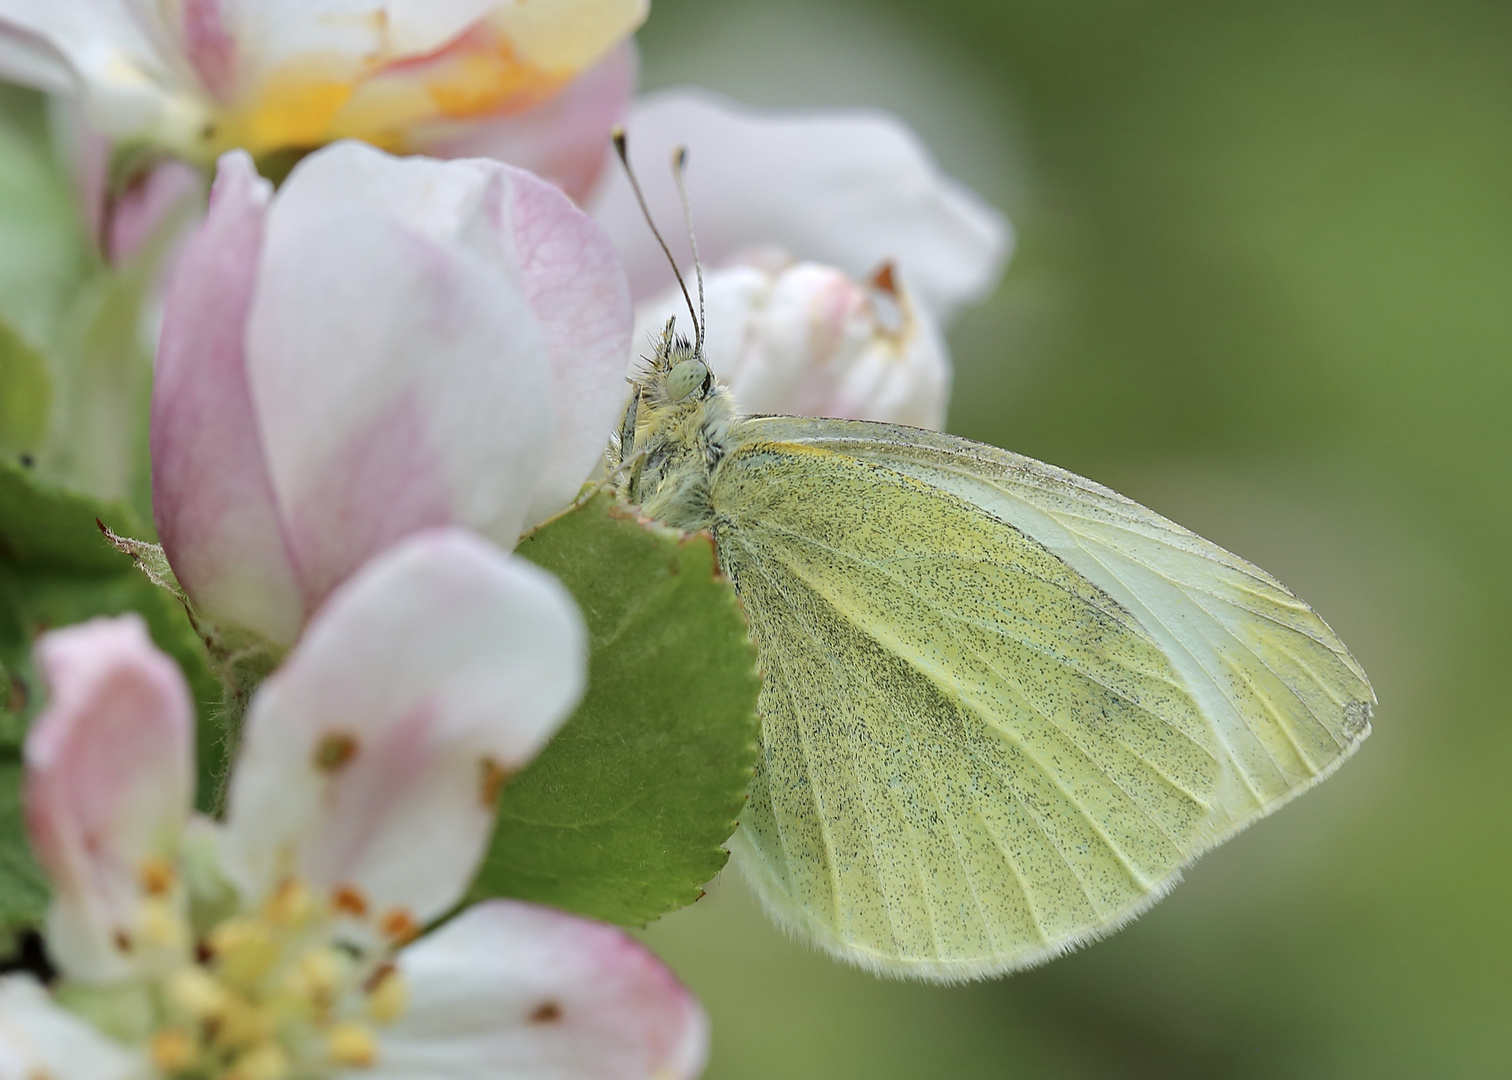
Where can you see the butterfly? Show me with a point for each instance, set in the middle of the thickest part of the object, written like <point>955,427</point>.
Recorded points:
<point>1002,706</point>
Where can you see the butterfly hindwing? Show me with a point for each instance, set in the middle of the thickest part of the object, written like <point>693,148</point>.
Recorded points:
<point>974,756</point>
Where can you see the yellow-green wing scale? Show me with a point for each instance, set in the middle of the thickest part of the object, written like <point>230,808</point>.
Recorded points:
<point>974,756</point>
<point>1287,701</point>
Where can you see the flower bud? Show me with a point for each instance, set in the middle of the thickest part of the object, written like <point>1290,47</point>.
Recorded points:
<point>384,346</point>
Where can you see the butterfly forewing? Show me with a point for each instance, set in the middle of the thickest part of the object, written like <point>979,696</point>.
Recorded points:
<point>974,755</point>
<point>1286,699</point>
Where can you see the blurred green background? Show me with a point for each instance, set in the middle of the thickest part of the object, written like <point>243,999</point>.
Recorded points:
<point>1264,285</point>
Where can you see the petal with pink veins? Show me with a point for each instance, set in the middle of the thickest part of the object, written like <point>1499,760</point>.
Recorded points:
<point>109,780</point>
<point>575,285</point>
<point>851,189</point>
<point>39,1039</point>
<point>512,990</point>
<point>372,759</point>
<point>212,496</point>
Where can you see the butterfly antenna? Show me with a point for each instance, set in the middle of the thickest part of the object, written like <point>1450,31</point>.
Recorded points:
<point>619,148</point>
<point>680,171</point>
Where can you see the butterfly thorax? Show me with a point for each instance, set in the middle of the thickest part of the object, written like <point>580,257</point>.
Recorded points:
<point>673,435</point>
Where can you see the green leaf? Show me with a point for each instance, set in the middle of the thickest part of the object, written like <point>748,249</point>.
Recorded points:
<point>45,253</point>
<point>55,569</point>
<point>25,395</point>
<point>23,889</point>
<point>48,525</point>
<point>75,393</point>
<point>623,815</point>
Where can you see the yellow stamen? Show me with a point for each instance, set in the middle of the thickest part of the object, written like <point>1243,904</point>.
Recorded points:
<point>265,1061</point>
<point>196,992</point>
<point>291,905</point>
<point>244,950</point>
<point>352,1043</point>
<point>159,924</point>
<point>388,997</point>
<point>314,982</point>
<point>172,1049</point>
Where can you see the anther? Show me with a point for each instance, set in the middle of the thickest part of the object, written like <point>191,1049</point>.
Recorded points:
<point>335,751</point>
<point>398,925</point>
<point>157,876</point>
<point>495,776</point>
<point>348,900</point>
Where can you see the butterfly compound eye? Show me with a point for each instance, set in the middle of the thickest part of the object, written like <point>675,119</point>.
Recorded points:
<point>685,377</point>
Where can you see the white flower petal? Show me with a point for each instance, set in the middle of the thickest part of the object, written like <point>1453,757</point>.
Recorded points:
<point>128,86</point>
<point>559,258</point>
<point>41,1041</point>
<point>399,375</point>
<point>30,60</point>
<point>512,990</point>
<point>371,757</point>
<point>851,189</point>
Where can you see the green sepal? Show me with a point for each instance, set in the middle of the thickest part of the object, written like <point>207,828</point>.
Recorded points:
<point>623,816</point>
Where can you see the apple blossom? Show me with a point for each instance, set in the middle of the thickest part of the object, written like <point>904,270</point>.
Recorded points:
<point>804,339</point>
<point>199,77</point>
<point>387,344</point>
<point>285,941</point>
<point>799,215</point>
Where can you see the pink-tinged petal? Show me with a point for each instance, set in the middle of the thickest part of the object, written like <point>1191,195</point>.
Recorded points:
<point>109,779</point>
<point>209,46</point>
<point>850,189</point>
<point>371,759</point>
<point>564,140</point>
<point>41,1041</point>
<point>400,384</point>
<point>512,990</point>
<point>485,323</point>
<point>212,496</point>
